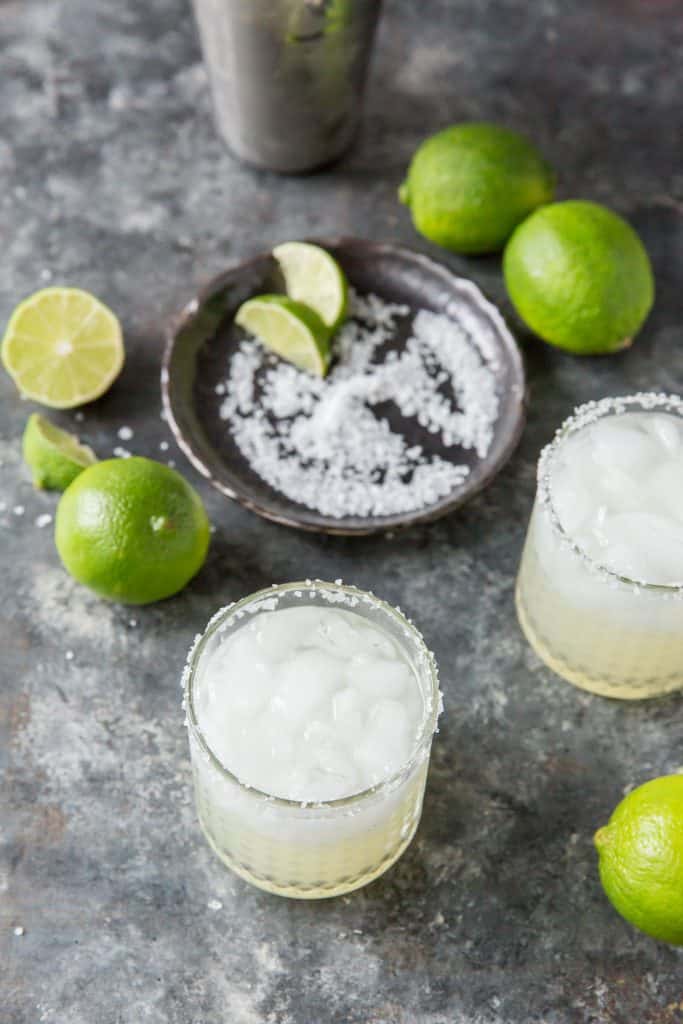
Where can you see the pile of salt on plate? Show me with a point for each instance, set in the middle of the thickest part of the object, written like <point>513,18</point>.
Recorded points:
<point>321,443</point>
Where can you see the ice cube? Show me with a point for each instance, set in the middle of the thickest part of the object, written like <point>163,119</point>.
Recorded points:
<point>385,747</point>
<point>666,429</point>
<point>319,734</point>
<point>572,500</point>
<point>237,677</point>
<point>324,787</point>
<point>653,543</point>
<point>334,633</point>
<point>376,643</point>
<point>616,445</point>
<point>297,782</point>
<point>347,714</point>
<point>272,737</point>
<point>307,679</point>
<point>623,491</point>
<point>664,488</point>
<point>279,633</point>
<point>378,677</point>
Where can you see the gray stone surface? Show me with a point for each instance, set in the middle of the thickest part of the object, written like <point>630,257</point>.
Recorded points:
<point>113,179</point>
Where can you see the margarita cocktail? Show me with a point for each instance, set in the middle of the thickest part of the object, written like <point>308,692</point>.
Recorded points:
<point>311,709</point>
<point>600,587</point>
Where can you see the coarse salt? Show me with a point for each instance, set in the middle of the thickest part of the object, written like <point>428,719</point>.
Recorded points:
<point>331,445</point>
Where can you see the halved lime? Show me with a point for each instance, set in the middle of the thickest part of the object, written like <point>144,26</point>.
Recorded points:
<point>312,276</point>
<point>54,456</point>
<point>289,328</point>
<point>63,347</point>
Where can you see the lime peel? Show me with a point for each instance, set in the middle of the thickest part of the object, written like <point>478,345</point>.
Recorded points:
<point>314,277</point>
<point>54,456</point>
<point>290,329</point>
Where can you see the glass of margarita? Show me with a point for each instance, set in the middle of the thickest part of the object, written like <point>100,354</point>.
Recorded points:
<point>600,587</point>
<point>311,709</point>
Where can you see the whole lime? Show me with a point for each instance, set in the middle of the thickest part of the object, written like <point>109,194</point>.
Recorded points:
<point>641,858</point>
<point>579,277</point>
<point>470,185</point>
<point>132,530</point>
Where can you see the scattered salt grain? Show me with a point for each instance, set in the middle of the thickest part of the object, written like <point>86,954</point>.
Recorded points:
<point>19,931</point>
<point>220,389</point>
<point>214,905</point>
<point>163,446</point>
<point>171,464</point>
<point>125,433</point>
<point>132,623</point>
<point>330,444</point>
<point>79,417</point>
<point>69,655</point>
<point>46,274</point>
<point>122,453</point>
<point>18,510</point>
<point>44,520</point>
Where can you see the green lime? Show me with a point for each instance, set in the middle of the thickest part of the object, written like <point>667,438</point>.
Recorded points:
<point>469,186</point>
<point>313,277</point>
<point>289,328</point>
<point>641,858</point>
<point>579,276</point>
<point>54,456</point>
<point>63,347</point>
<point>132,530</point>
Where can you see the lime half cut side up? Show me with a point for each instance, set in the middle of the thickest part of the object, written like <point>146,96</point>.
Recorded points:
<point>290,329</point>
<point>63,347</point>
<point>315,278</point>
<point>54,456</point>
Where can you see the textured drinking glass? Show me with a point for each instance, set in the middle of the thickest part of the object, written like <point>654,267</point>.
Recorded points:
<point>311,850</point>
<point>601,631</point>
<point>287,76</point>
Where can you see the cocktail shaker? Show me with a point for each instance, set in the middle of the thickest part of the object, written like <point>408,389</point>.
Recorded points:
<point>287,76</point>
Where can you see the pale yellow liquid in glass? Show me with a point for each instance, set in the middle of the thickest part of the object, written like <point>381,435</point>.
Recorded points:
<point>610,638</point>
<point>289,852</point>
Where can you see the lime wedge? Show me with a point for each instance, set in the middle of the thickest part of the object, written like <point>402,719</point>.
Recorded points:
<point>63,347</point>
<point>314,277</point>
<point>290,329</point>
<point>54,456</point>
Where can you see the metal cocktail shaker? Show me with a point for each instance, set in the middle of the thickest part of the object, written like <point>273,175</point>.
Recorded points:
<point>287,76</point>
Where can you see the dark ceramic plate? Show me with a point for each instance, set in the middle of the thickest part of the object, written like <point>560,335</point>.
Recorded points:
<point>200,343</point>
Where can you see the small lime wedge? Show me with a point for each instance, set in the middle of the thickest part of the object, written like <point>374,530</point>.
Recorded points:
<point>63,347</point>
<point>54,456</point>
<point>291,329</point>
<point>312,276</point>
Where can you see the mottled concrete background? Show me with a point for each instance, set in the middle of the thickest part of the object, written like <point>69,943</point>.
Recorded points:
<point>113,910</point>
